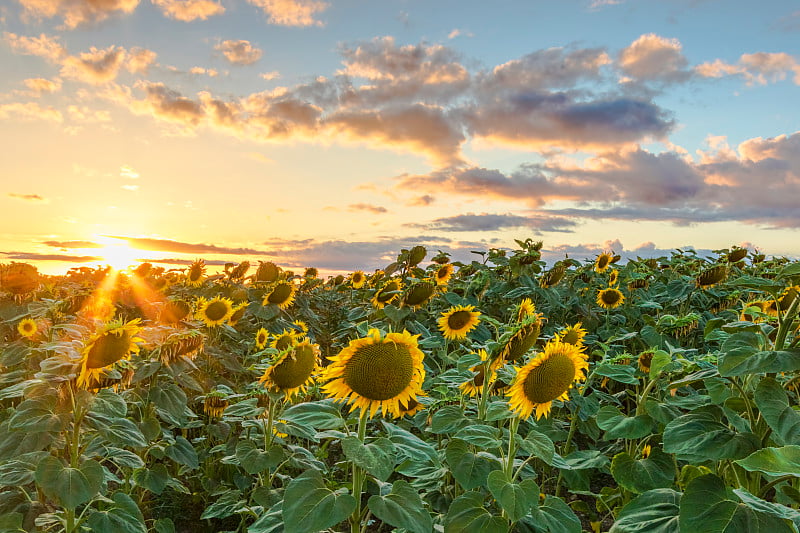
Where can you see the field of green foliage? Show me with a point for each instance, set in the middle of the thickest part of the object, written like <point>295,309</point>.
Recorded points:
<point>653,395</point>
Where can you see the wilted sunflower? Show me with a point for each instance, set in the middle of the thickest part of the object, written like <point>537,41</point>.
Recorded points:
<point>602,262</point>
<point>571,335</point>
<point>19,278</point>
<point>311,272</point>
<point>215,311</point>
<point>27,327</point>
<point>377,372</point>
<point>638,283</point>
<point>474,386</point>
<point>237,313</point>
<point>180,344</point>
<point>711,277</point>
<point>267,272</point>
<point>357,279</point>
<point>786,299</point>
<point>387,294</point>
<point>282,295</point>
<point>610,298</point>
<point>194,277</point>
<point>262,336</point>
<point>174,311</point>
<point>419,294</point>
<point>645,359</point>
<point>525,309</point>
<point>215,403</point>
<point>293,370</point>
<point>115,341</point>
<point>524,337</point>
<point>458,321</point>
<point>613,278</point>
<point>443,274</point>
<point>546,377</point>
<point>553,276</point>
<point>737,254</point>
<point>284,340</point>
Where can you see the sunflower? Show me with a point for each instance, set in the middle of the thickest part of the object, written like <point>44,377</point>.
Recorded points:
<point>387,294</point>
<point>284,340</point>
<point>19,278</point>
<point>419,294</point>
<point>262,336</point>
<point>27,327</point>
<point>737,254</point>
<point>572,335</point>
<point>610,298</point>
<point>311,272</point>
<point>613,278</point>
<point>711,277</point>
<point>525,309</point>
<point>194,277</point>
<point>215,403</point>
<point>237,313</point>
<point>301,326</point>
<point>602,262</point>
<point>377,371</point>
<point>174,311</point>
<point>638,283</point>
<point>443,274</point>
<point>474,386</point>
<point>293,370</point>
<point>546,377</point>
<point>645,359</point>
<point>115,341</point>
<point>459,320</point>
<point>357,279</point>
<point>214,312</point>
<point>524,337</point>
<point>180,344</point>
<point>411,408</point>
<point>267,272</point>
<point>282,295</point>
<point>553,276</point>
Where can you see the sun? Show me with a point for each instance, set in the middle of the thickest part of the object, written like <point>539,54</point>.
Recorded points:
<point>116,255</point>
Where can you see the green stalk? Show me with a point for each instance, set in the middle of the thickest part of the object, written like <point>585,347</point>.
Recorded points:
<point>512,447</point>
<point>358,477</point>
<point>785,321</point>
<point>484,390</point>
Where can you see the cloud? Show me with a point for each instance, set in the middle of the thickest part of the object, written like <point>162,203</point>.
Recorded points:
<point>291,12</point>
<point>29,197</point>
<point>29,256</point>
<point>128,172</point>
<point>189,10</point>
<point>165,245</point>
<point>269,76</point>
<point>424,200</point>
<point>139,60</point>
<point>210,72</point>
<point>84,114</point>
<point>39,86</point>
<point>239,52</point>
<point>654,58</point>
<point>551,68</point>
<point>496,222</point>
<point>30,110</point>
<point>76,13</point>
<point>96,66</point>
<point>375,209</point>
<point>42,46</point>
<point>168,105</point>
<point>758,68</point>
<point>68,245</point>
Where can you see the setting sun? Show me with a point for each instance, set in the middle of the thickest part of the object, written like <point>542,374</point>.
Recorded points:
<point>117,255</point>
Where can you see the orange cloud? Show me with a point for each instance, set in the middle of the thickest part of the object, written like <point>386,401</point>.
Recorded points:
<point>189,10</point>
<point>30,110</point>
<point>291,12</point>
<point>75,13</point>
<point>655,58</point>
<point>43,46</point>
<point>239,52</point>
<point>96,66</point>
<point>40,85</point>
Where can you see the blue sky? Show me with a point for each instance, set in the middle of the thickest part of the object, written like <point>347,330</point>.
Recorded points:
<point>332,134</point>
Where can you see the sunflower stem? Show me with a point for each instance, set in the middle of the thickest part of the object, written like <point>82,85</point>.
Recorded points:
<point>512,447</point>
<point>484,390</point>
<point>358,477</point>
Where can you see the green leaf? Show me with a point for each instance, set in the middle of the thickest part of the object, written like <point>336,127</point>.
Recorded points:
<point>170,402</point>
<point>109,403</point>
<point>540,445</point>
<point>409,445</point>
<point>38,414</point>
<point>182,452</point>
<point>306,419</point>
<point>378,457</point>
<point>585,459</point>
<point>252,458</point>
<point>700,436</point>
<point>742,362</point>
<point>469,469</point>
<point>558,516</point>
<point>20,471</point>
<point>619,373</point>
<point>309,506</point>
<point>154,479</point>
<point>516,499</point>
<point>448,419</point>
<point>225,505</point>
<point>269,522</point>
<point>119,431</point>
<point>639,476</point>
<point>164,525</point>
<point>11,523</point>
<point>659,361</point>
<point>655,511</point>
<point>480,435</point>
<point>619,426</point>
<point>467,513</point>
<point>773,403</point>
<point>707,508</point>
<point>402,508</point>
<point>783,461</point>
<point>69,486</point>
<point>124,517</point>
<point>773,509</point>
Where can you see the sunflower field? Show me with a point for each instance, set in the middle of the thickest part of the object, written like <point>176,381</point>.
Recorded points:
<point>658,395</point>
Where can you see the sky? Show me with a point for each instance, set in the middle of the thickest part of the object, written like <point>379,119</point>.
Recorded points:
<point>334,133</point>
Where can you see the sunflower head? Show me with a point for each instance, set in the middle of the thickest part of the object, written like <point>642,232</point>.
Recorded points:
<point>174,311</point>
<point>357,279</point>
<point>214,312</point>
<point>19,278</point>
<point>711,277</point>
<point>293,370</point>
<point>545,378</point>
<point>613,278</point>
<point>572,335</point>
<point>311,272</point>
<point>194,276</point>
<point>737,254</point>
<point>416,255</point>
<point>443,274</point>
<point>268,272</point>
<point>638,283</point>
<point>27,328</point>
<point>387,294</point>
<point>553,276</point>
<point>523,339</point>
<point>474,386</point>
<point>237,313</point>
<point>459,320</point>
<point>215,403</point>
<point>645,359</point>
<point>525,309</point>
<point>377,372</point>
<point>181,344</point>
<point>115,341</point>
<point>284,340</point>
<point>603,261</point>
<point>419,294</point>
<point>262,336</point>
<point>610,298</point>
<point>788,297</point>
<point>281,294</point>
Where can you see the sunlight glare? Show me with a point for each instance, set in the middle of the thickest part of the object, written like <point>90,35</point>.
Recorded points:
<point>118,256</point>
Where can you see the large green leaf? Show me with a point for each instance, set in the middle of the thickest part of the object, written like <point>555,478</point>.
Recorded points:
<point>773,403</point>
<point>557,516</point>
<point>224,505</point>
<point>655,511</point>
<point>707,507</point>
<point>123,517</point>
<point>309,506</point>
<point>20,471</point>
<point>639,476</point>
<point>467,513</point>
<point>469,469</point>
<point>69,486</point>
<point>481,435</point>
<point>119,431</point>
<point>39,414</point>
<point>402,508</point>
<point>154,479</point>
<point>516,499</point>
<point>182,452</point>
<point>538,444</point>
<point>700,436</point>
<point>740,362</point>
<point>619,426</point>
<point>269,522</point>
<point>774,509</point>
<point>409,445</point>
<point>378,457</point>
<point>619,373</point>
<point>253,459</point>
<point>783,461</point>
<point>170,402</point>
<point>448,419</point>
